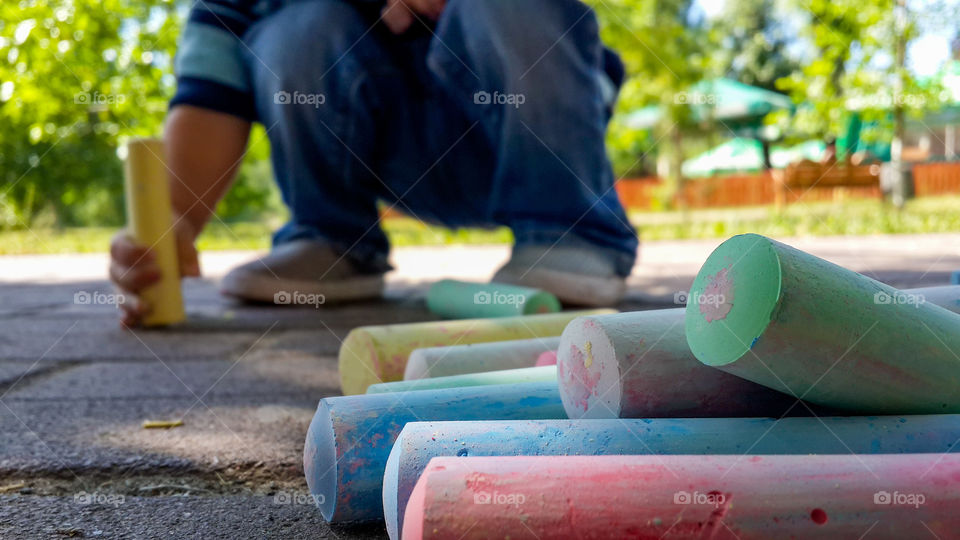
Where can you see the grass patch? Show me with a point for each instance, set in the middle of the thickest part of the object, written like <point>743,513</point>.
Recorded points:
<point>852,217</point>
<point>235,236</point>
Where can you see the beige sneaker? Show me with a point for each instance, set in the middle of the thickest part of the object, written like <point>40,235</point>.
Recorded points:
<point>576,275</point>
<point>301,269</point>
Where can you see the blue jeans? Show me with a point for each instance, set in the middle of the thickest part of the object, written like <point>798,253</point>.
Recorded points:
<point>494,117</point>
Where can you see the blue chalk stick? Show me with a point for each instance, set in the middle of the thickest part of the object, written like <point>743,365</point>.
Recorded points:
<point>350,437</point>
<point>418,442</point>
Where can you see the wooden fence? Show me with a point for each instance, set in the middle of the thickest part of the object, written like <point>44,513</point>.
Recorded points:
<point>757,189</point>
<point>936,178</point>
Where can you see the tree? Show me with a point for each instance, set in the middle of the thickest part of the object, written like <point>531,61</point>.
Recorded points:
<point>662,46</point>
<point>858,63</point>
<point>752,43</point>
<point>77,79</point>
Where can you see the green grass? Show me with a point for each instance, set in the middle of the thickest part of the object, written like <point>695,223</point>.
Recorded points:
<point>218,236</point>
<point>853,217</point>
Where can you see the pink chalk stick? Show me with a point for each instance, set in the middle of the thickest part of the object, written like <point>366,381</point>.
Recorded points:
<point>638,365</point>
<point>548,358</point>
<point>687,497</point>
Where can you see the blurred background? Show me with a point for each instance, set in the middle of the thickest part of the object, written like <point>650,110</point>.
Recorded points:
<point>784,117</point>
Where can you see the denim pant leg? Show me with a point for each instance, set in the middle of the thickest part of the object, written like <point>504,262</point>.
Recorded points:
<point>315,67</point>
<point>531,73</point>
<point>437,161</point>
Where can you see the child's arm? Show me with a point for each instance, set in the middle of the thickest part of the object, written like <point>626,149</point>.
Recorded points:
<point>204,149</point>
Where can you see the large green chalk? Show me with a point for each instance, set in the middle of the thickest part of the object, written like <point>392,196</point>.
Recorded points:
<point>504,376</point>
<point>780,317</point>
<point>465,300</point>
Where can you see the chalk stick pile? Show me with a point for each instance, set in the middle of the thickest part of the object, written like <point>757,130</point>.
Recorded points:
<point>743,415</point>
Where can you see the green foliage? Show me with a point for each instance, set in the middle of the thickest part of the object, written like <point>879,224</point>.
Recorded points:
<point>77,79</point>
<point>665,53</point>
<point>753,43</point>
<point>632,152</point>
<point>254,196</point>
<point>856,63</point>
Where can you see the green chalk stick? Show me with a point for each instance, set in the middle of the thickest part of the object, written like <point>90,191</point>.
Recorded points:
<point>466,300</point>
<point>786,319</point>
<point>504,376</point>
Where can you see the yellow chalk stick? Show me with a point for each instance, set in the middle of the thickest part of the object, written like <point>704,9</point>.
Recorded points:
<point>161,424</point>
<point>150,220</point>
<point>377,354</point>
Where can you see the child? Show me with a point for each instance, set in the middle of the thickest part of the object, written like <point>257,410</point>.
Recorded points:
<point>463,113</point>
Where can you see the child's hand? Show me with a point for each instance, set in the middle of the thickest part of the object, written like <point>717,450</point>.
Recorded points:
<point>133,268</point>
<point>399,15</point>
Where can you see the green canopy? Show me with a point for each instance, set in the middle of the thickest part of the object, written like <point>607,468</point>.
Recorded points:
<point>744,155</point>
<point>739,106</point>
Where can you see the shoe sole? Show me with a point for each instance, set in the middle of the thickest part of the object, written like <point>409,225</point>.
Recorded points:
<point>283,292</point>
<point>569,288</point>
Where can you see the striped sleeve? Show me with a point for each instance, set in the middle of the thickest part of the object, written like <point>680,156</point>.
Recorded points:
<point>209,64</point>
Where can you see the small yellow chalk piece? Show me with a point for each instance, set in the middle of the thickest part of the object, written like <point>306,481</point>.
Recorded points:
<point>12,487</point>
<point>161,424</point>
